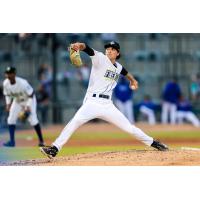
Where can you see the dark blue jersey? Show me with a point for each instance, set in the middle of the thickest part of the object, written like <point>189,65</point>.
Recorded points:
<point>171,92</point>
<point>122,91</point>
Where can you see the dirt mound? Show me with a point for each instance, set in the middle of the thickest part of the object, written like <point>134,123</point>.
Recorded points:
<point>126,158</point>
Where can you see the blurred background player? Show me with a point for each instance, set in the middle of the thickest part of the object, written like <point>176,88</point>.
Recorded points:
<point>184,112</point>
<point>124,98</point>
<point>147,107</point>
<point>45,77</point>
<point>19,95</point>
<point>170,96</point>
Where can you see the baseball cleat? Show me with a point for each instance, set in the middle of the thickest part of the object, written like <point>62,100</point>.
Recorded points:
<point>159,146</point>
<point>9,144</point>
<point>49,151</point>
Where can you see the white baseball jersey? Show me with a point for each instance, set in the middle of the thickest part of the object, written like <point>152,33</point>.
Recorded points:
<point>19,91</point>
<point>104,75</point>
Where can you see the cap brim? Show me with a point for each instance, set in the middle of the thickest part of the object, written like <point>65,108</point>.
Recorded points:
<point>109,45</point>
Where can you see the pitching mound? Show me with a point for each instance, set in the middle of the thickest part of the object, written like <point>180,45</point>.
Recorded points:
<point>128,158</point>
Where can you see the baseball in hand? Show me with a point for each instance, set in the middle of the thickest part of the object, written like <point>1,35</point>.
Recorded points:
<point>133,87</point>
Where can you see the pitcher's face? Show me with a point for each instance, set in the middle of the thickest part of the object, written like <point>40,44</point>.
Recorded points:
<point>111,53</point>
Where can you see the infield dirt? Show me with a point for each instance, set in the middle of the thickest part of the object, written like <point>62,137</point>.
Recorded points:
<point>127,158</point>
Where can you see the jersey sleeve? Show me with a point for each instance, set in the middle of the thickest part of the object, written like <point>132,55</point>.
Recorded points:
<point>124,72</point>
<point>27,88</point>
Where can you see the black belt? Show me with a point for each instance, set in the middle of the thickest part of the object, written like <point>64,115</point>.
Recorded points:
<point>101,96</point>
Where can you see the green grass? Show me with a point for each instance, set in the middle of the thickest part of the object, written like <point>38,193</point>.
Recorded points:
<point>112,135</point>
<point>121,135</point>
<point>24,153</point>
<point>176,134</point>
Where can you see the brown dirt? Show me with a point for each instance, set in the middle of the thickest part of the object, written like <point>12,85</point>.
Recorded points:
<point>126,158</point>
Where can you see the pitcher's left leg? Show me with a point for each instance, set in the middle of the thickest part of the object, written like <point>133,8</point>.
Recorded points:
<point>113,115</point>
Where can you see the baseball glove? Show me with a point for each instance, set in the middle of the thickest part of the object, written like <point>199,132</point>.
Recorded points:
<point>23,116</point>
<point>75,57</point>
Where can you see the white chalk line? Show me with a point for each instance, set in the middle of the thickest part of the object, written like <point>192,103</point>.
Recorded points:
<point>190,148</point>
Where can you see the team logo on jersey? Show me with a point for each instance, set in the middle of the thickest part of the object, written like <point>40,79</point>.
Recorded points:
<point>111,75</point>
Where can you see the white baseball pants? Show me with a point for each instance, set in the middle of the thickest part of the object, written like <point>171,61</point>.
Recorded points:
<point>168,109</point>
<point>102,109</point>
<point>190,116</point>
<point>149,113</point>
<point>16,108</point>
<point>126,108</point>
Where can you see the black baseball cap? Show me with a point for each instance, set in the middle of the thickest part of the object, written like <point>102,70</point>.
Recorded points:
<point>10,70</point>
<point>114,45</point>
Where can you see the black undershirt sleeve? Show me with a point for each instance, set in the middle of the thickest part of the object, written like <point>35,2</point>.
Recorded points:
<point>124,71</point>
<point>89,50</point>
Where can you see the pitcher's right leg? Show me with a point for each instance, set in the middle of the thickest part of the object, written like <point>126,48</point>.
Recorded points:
<point>87,112</point>
<point>69,129</point>
<point>51,151</point>
<point>83,115</point>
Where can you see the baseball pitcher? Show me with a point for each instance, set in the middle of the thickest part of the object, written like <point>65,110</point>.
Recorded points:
<point>20,97</point>
<point>97,102</point>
